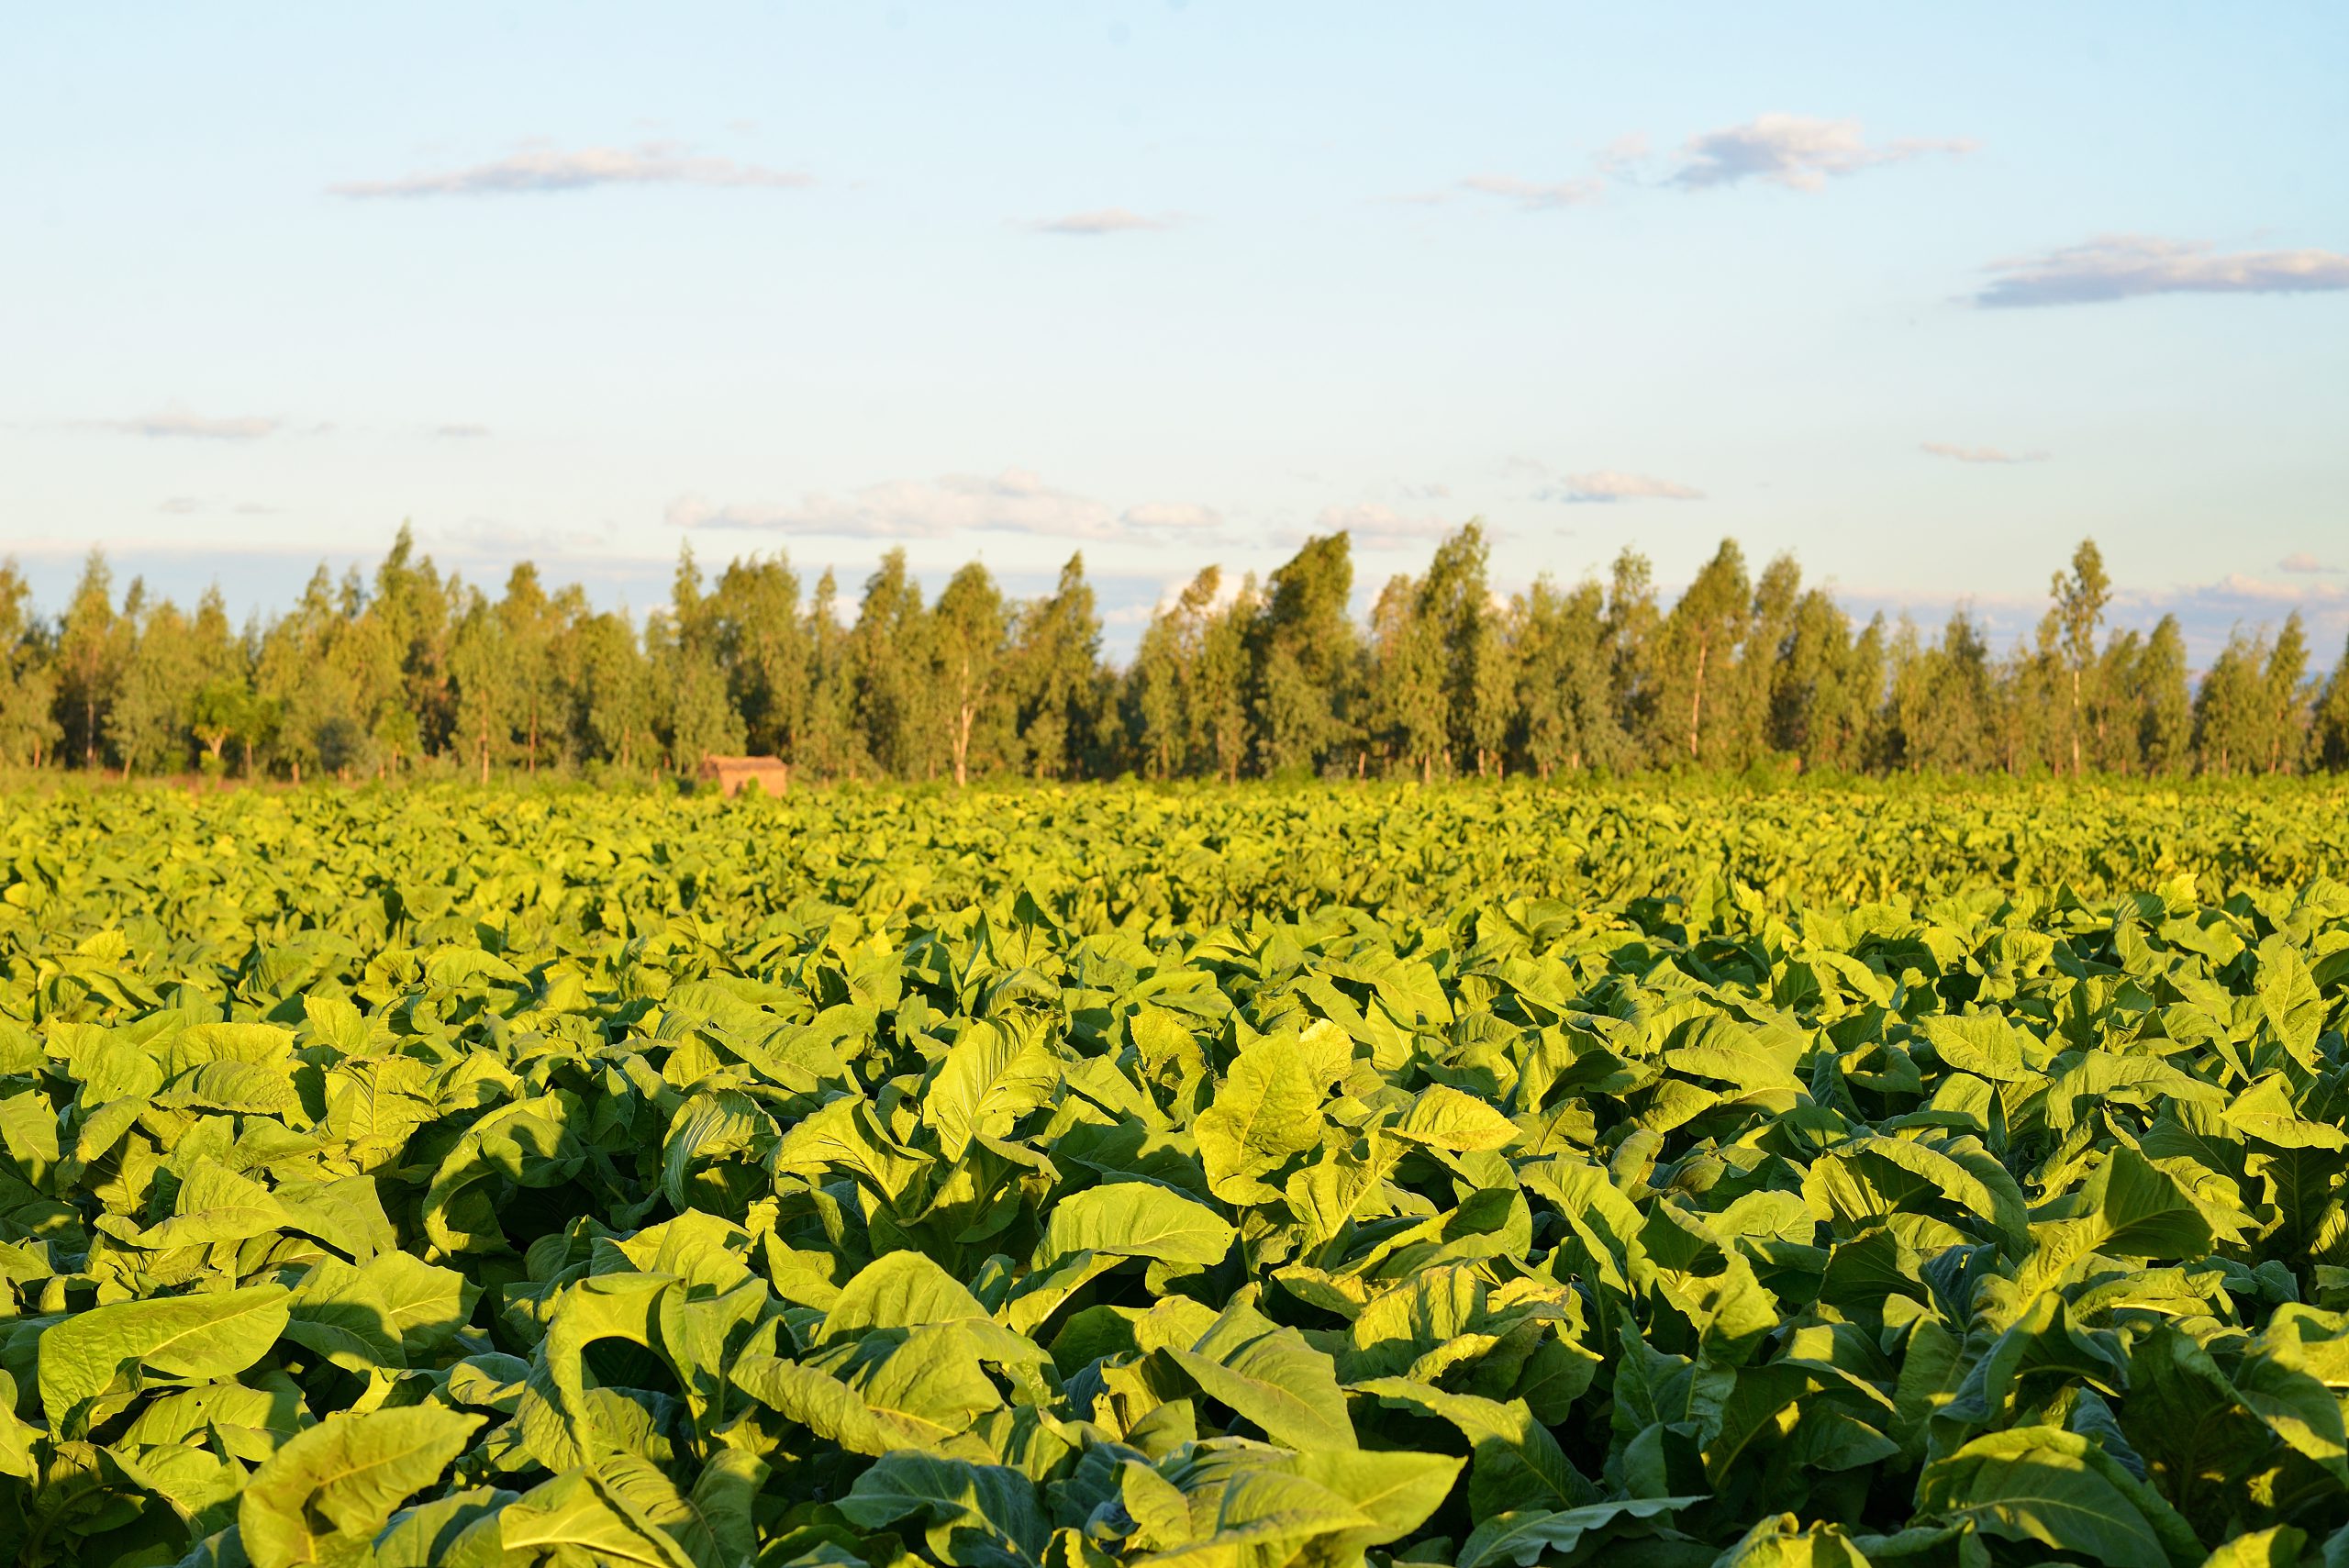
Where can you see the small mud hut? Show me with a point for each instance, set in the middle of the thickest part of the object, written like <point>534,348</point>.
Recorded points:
<point>734,774</point>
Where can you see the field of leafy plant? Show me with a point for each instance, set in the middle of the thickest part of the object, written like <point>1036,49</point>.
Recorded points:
<point>1222,1178</point>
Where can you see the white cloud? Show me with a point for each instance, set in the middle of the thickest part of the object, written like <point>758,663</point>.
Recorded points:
<point>1623,154</point>
<point>461,432</point>
<point>2249,590</point>
<point>1378,527</point>
<point>1612,485</point>
<point>1796,151</point>
<point>1108,220</point>
<point>1978,454</point>
<point>188,506</point>
<point>553,169</point>
<point>483,539</point>
<point>1014,501</point>
<point>2122,266</point>
<point>179,420</point>
<point>1176,516</point>
<point>1530,195</point>
<point>2302,564</point>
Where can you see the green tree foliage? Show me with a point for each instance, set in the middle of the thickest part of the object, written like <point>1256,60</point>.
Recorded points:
<point>91,647</point>
<point>411,671</point>
<point>1063,698</point>
<point>28,698</point>
<point>2080,597</point>
<point>1303,651</point>
<point>2329,738</point>
<point>1565,721</point>
<point>966,659</point>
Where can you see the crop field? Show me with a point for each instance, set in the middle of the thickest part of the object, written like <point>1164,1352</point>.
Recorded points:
<point>1640,1174</point>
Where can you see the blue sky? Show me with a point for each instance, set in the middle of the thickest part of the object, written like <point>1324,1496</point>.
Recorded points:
<point>1921,295</point>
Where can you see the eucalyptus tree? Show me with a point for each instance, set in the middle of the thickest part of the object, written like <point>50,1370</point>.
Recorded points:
<point>1405,704</point>
<point>696,717</point>
<point>1303,652</point>
<point>148,723</point>
<point>91,648</point>
<point>29,726</point>
<point>1564,721</point>
<point>2283,684</point>
<point>1629,643</point>
<point>1696,649</point>
<point>1055,670</point>
<point>613,706</point>
<point>1218,722</point>
<point>966,658</point>
<point>1163,685</point>
<point>763,644</point>
<point>830,745</point>
<point>2081,595</point>
<point>889,647</point>
<point>2164,708</point>
<point>1812,712</point>
<point>2328,729</point>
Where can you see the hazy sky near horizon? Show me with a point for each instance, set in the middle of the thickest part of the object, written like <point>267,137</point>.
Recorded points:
<point>1921,295</point>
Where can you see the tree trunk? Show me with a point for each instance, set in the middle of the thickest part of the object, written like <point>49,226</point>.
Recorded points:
<point>482,745</point>
<point>2075,721</point>
<point>1697,698</point>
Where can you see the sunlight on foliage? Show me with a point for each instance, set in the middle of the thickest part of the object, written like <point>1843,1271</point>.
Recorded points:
<point>1053,1179</point>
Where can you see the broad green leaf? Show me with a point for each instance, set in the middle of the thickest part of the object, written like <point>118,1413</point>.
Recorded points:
<point>194,1336</point>
<point>2043,1484</point>
<point>1134,1220</point>
<point>1270,1376</point>
<point>329,1489</point>
<point>1522,1537</point>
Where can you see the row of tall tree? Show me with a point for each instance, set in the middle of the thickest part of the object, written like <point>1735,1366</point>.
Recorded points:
<point>411,669</point>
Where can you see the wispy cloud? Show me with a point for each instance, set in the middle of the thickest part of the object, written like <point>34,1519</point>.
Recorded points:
<point>1375,526</point>
<point>1795,151</point>
<point>1182,517</point>
<point>179,420</point>
<point>2302,564</point>
<point>1978,454</point>
<point>187,505</point>
<point>1623,155</point>
<point>2124,266</point>
<point>1014,501</point>
<point>494,540</point>
<point>1531,196</point>
<point>2248,590</point>
<point>538,170</point>
<point>1606,484</point>
<point>1108,220</point>
<point>461,432</point>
